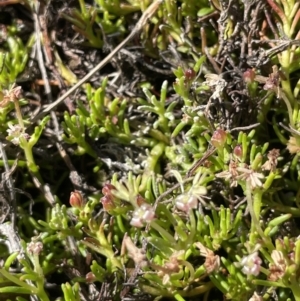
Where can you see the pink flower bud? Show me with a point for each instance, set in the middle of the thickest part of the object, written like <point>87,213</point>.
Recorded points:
<point>238,151</point>
<point>189,74</point>
<point>218,138</point>
<point>107,202</point>
<point>107,188</point>
<point>90,277</point>
<point>249,75</point>
<point>76,199</point>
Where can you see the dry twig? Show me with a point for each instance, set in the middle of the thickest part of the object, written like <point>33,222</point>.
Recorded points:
<point>148,13</point>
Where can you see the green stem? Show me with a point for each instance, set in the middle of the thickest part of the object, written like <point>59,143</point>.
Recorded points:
<point>254,206</point>
<point>15,280</point>
<point>27,149</point>
<point>289,107</point>
<point>33,168</point>
<point>40,280</point>
<point>20,163</point>
<point>286,85</point>
<point>19,114</point>
<point>164,234</point>
<point>156,152</point>
<point>178,297</point>
<point>296,291</point>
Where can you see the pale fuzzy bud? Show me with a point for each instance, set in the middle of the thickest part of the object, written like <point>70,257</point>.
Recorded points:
<point>278,268</point>
<point>35,247</point>
<point>293,145</point>
<point>212,262</point>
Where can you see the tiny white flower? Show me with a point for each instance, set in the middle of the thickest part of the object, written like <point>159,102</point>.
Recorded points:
<point>186,202</point>
<point>148,212</point>
<point>144,214</point>
<point>136,222</point>
<point>15,132</point>
<point>251,264</point>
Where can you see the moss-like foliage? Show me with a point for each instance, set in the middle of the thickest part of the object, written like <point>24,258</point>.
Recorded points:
<point>172,174</point>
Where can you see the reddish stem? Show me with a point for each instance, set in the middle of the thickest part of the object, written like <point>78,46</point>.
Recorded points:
<point>278,10</point>
<point>9,2</point>
<point>295,21</point>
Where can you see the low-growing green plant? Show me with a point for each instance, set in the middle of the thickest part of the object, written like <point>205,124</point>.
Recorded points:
<point>205,201</point>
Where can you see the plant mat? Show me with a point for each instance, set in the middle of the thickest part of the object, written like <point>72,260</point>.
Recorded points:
<point>149,150</point>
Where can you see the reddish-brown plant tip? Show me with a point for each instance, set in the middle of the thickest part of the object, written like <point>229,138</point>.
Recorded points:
<point>90,277</point>
<point>107,188</point>
<point>249,76</point>
<point>140,200</point>
<point>107,202</point>
<point>238,151</point>
<point>76,199</point>
<point>218,138</point>
<point>189,74</point>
